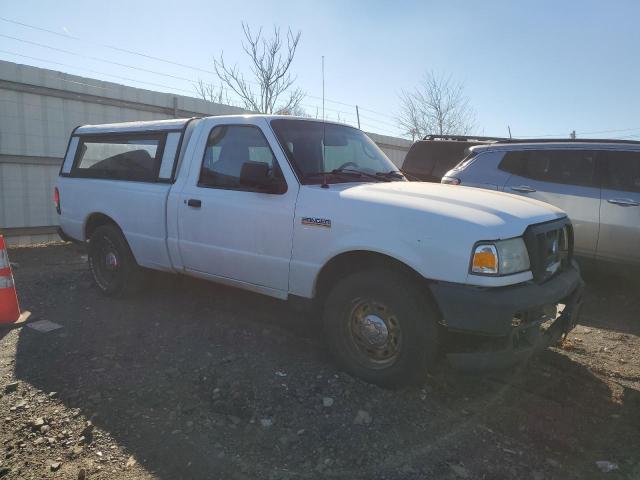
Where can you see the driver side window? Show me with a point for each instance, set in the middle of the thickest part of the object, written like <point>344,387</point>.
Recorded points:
<point>229,147</point>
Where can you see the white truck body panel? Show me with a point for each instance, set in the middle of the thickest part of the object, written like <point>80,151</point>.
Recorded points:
<point>137,207</point>
<point>424,225</point>
<point>258,241</point>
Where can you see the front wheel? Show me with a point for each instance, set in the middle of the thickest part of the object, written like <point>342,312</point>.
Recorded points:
<point>111,262</point>
<point>380,327</point>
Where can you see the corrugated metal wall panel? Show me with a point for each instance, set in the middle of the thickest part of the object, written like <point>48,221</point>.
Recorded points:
<point>395,155</point>
<point>26,199</point>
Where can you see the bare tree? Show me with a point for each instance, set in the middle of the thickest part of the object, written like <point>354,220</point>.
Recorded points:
<point>437,106</point>
<point>271,88</point>
<point>211,92</point>
<point>296,111</point>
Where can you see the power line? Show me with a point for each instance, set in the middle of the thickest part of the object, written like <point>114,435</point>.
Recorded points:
<point>594,132</point>
<point>95,71</point>
<point>609,131</point>
<point>212,72</point>
<point>69,52</point>
<point>105,88</point>
<point>547,135</point>
<point>105,45</point>
<point>349,116</point>
<point>152,57</point>
<point>379,121</point>
<point>629,136</point>
<point>349,119</point>
<point>369,128</point>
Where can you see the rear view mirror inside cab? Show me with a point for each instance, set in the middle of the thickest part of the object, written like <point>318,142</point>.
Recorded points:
<point>334,139</point>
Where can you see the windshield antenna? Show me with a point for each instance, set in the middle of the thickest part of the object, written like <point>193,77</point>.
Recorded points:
<point>324,175</point>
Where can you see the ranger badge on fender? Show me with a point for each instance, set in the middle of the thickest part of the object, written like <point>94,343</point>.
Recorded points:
<point>316,222</point>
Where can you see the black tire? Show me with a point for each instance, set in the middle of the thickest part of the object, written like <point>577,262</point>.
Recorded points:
<point>377,304</point>
<point>112,264</point>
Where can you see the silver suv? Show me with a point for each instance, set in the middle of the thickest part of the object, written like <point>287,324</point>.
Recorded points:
<point>596,182</point>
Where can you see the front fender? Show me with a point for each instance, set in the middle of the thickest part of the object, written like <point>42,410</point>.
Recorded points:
<point>316,248</point>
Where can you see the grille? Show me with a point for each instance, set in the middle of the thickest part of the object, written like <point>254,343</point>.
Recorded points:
<point>550,247</point>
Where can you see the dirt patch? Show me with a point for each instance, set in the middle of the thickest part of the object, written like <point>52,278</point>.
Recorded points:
<point>194,380</point>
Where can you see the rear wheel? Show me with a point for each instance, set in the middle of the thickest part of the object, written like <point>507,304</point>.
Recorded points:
<point>380,327</point>
<point>111,262</point>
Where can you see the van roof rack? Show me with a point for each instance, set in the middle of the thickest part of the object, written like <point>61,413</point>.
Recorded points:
<point>464,138</point>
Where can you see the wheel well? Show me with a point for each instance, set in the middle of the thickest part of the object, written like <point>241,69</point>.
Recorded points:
<point>346,263</point>
<point>96,220</point>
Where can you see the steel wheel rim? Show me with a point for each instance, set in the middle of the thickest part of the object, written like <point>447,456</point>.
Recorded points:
<point>106,263</point>
<point>375,334</point>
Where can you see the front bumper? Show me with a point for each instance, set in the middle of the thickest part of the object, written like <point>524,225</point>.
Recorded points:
<point>489,313</point>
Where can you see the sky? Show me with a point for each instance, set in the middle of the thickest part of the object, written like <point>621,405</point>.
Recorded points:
<point>544,68</point>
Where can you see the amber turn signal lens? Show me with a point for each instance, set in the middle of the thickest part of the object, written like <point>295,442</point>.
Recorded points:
<point>485,260</point>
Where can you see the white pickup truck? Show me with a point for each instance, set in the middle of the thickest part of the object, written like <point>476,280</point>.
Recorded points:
<point>302,209</point>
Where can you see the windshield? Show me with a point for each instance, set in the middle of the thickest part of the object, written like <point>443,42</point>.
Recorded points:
<point>345,150</point>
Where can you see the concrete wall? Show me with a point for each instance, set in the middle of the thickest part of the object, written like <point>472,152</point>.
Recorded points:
<point>38,110</point>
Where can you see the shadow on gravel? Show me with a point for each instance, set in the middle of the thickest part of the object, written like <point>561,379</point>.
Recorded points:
<point>612,303</point>
<point>6,328</point>
<point>175,374</point>
<point>201,381</point>
<point>4,332</point>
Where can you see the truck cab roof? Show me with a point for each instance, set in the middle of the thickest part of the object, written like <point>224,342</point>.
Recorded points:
<point>156,125</point>
<point>173,124</point>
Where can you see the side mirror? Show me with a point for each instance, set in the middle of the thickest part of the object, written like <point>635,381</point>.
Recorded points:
<point>256,175</point>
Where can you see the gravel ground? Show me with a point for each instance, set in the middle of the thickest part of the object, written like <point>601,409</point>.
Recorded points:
<point>195,380</point>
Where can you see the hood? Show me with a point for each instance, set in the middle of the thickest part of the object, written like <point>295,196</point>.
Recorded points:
<point>485,208</point>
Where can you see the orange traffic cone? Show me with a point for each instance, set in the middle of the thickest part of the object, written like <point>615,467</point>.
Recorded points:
<point>9,308</point>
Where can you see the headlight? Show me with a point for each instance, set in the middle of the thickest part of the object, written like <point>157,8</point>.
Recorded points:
<point>502,257</point>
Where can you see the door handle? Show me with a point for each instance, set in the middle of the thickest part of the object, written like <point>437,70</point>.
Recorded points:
<point>194,202</point>
<point>623,202</point>
<point>523,189</point>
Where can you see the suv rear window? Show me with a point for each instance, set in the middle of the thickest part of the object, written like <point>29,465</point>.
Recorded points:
<point>569,167</point>
<point>120,157</point>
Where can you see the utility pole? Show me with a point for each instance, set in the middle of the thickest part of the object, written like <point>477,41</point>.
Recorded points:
<point>323,93</point>
<point>573,135</point>
<point>358,115</point>
<point>509,128</point>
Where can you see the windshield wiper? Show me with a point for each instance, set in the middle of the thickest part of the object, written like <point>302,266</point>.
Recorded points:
<point>349,173</point>
<point>373,176</point>
<point>392,174</point>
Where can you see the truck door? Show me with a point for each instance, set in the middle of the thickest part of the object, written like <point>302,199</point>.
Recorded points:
<point>228,229</point>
